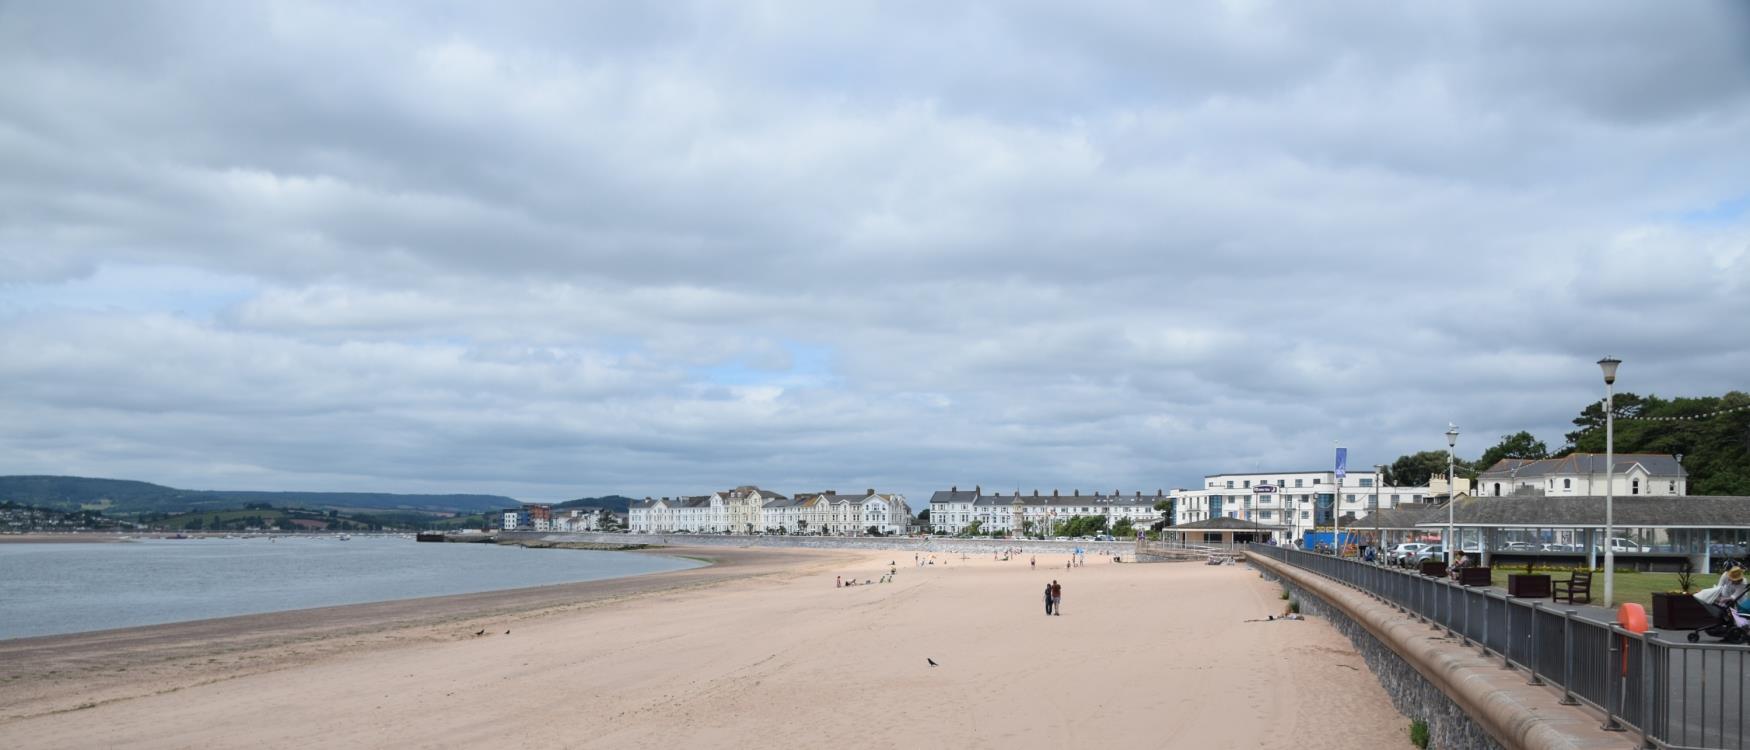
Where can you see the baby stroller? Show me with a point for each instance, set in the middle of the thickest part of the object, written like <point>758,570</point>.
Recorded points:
<point>1733,625</point>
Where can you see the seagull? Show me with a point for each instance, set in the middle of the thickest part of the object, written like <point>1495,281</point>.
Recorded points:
<point>481,631</point>
<point>931,661</point>
<point>507,632</point>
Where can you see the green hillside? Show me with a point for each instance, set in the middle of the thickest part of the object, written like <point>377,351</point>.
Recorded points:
<point>616,503</point>
<point>127,497</point>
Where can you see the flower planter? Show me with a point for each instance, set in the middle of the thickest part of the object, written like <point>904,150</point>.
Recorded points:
<point>1679,612</point>
<point>1528,585</point>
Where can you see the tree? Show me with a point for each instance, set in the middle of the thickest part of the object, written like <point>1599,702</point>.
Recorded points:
<point>1415,469</point>
<point>973,529</point>
<point>924,517</point>
<point>1167,507</point>
<point>1124,529</point>
<point>1521,444</point>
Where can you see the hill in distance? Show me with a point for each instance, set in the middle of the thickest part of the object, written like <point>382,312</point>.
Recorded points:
<point>124,497</point>
<point>616,503</point>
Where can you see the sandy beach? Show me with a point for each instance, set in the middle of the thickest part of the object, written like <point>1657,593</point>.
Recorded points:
<point>760,650</point>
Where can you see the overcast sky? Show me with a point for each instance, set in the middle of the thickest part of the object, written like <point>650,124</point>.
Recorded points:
<point>667,248</point>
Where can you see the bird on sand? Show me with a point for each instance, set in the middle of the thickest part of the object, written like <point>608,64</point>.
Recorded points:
<point>507,632</point>
<point>481,631</point>
<point>931,661</point>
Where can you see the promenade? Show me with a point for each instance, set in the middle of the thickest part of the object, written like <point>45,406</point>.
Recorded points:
<point>1144,655</point>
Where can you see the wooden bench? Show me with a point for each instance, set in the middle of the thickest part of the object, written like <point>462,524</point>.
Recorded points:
<point>1578,586</point>
<point>1475,576</point>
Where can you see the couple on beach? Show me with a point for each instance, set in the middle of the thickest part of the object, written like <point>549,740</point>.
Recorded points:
<point>1053,598</point>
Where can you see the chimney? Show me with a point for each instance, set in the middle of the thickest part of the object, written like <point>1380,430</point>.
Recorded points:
<point>954,488</point>
<point>869,491</point>
<point>1078,493</point>
<point>1036,493</point>
<point>978,489</point>
<point>1054,492</point>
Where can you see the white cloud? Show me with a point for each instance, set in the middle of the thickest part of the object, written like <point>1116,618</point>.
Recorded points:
<point>561,250</point>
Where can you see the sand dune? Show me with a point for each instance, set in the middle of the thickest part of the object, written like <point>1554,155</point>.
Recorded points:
<point>1144,656</point>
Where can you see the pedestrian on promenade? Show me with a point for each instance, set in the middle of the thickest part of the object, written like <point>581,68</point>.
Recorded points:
<point>1048,600</point>
<point>1057,598</point>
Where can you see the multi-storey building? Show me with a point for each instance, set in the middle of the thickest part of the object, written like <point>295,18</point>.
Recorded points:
<point>1583,474</point>
<point>749,509</point>
<point>953,510</point>
<point>1296,500</point>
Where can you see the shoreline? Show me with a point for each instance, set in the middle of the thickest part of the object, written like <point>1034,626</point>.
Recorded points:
<point>55,673</point>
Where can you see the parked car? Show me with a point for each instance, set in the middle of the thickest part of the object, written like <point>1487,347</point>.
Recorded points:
<point>1521,547</point>
<point>1620,544</point>
<point>1430,552</point>
<point>1401,553</point>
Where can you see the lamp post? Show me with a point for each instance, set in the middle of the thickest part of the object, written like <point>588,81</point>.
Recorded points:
<point>1451,540</point>
<point>1608,365</point>
<point>1378,540</point>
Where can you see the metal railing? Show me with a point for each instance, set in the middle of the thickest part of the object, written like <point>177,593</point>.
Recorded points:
<point>1676,695</point>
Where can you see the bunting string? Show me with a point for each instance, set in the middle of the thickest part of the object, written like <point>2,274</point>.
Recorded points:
<point>1688,418</point>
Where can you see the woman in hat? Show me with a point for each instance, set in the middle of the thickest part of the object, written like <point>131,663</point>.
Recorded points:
<point>1730,589</point>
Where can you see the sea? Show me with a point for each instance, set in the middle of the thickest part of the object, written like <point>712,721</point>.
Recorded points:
<point>51,589</point>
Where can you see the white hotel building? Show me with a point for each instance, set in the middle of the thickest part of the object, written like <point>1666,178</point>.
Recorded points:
<point>953,509</point>
<point>1298,500</point>
<point>750,510</point>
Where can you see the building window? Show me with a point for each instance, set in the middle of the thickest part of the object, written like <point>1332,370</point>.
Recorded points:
<point>1350,498</point>
<point>1635,487</point>
<point>1303,515</point>
<point>1247,484</point>
<point>1317,480</point>
<point>1230,484</point>
<point>1367,481</point>
<point>1297,482</point>
<point>1567,484</point>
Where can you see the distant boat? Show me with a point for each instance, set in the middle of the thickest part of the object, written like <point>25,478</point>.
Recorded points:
<point>345,537</point>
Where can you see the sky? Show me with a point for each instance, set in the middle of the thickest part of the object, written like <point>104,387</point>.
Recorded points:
<point>562,249</point>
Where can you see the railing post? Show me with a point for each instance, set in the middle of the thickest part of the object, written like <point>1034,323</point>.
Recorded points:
<point>1568,659</point>
<point>1610,682</point>
<point>1506,621</point>
<point>1647,686</point>
<point>1464,629</point>
<point>1534,665</point>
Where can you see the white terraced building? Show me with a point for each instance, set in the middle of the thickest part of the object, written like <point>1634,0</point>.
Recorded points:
<point>749,509</point>
<point>953,509</point>
<point>1582,474</point>
<point>1297,500</point>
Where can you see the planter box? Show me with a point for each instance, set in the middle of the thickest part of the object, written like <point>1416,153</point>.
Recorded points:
<point>1434,568</point>
<point>1528,585</point>
<point>1680,612</point>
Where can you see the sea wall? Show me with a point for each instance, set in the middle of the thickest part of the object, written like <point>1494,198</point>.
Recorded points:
<point>1469,700</point>
<point>936,545</point>
<point>1411,693</point>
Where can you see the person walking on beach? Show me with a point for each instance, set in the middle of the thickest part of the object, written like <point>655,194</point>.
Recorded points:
<point>1056,598</point>
<point>1047,600</point>
<point>838,582</point>
<point>1033,563</point>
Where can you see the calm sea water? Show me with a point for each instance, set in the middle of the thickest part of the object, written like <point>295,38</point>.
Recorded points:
<point>49,589</point>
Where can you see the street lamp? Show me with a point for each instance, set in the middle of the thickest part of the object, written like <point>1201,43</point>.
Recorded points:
<point>1608,365</point>
<point>1451,492</point>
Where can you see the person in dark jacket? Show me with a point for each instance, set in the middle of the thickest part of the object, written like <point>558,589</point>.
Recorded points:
<point>1048,599</point>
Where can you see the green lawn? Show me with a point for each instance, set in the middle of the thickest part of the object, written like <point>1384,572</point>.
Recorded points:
<point>1630,587</point>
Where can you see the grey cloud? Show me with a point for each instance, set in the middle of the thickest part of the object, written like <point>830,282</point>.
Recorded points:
<point>561,249</point>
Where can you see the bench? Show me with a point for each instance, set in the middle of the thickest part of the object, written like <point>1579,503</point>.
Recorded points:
<point>1475,576</point>
<point>1578,586</point>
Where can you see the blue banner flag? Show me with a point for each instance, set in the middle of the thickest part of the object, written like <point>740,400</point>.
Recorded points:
<point>1342,463</point>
